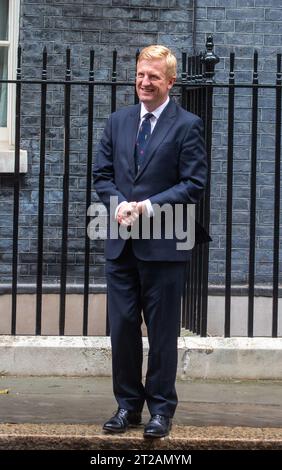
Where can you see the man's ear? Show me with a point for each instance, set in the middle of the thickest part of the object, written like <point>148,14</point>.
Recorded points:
<point>171,82</point>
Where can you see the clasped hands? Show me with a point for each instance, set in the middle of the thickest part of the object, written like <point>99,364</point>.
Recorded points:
<point>129,212</point>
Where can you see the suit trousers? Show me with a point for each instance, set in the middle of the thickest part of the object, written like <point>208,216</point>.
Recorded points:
<point>154,289</point>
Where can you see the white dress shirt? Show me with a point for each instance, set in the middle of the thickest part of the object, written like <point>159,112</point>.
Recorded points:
<point>156,114</point>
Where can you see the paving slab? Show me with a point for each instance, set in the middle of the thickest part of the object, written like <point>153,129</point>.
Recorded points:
<point>89,400</point>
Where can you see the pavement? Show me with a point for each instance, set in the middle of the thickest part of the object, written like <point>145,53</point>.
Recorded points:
<point>67,413</point>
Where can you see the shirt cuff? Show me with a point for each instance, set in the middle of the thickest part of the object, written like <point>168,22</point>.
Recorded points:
<point>149,211</point>
<point>118,207</point>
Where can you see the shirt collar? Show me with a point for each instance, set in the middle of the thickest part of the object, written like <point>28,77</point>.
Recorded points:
<point>157,112</point>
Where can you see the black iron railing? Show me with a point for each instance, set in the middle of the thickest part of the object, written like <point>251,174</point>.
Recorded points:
<point>195,92</point>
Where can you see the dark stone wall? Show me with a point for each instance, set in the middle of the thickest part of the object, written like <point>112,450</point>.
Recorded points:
<point>239,26</point>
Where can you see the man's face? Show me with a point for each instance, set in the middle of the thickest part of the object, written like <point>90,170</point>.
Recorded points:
<point>152,83</point>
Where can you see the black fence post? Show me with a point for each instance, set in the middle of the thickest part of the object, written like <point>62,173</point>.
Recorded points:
<point>16,194</point>
<point>209,60</point>
<point>136,97</point>
<point>231,96</point>
<point>114,79</point>
<point>252,247</point>
<point>277,199</point>
<point>88,192</point>
<point>65,218</point>
<point>183,78</point>
<point>40,233</point>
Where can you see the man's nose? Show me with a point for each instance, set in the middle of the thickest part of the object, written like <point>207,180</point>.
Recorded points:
<point>145,80</point>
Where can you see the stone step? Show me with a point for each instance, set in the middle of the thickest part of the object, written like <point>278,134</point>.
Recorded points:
<point>90,437</point>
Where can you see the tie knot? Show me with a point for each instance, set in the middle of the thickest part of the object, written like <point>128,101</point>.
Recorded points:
<point>148,116</point>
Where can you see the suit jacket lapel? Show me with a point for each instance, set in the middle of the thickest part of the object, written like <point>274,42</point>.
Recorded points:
<point>130,133</point>
<point>161,129</point>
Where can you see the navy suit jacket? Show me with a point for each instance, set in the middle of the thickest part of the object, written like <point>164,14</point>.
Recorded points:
<point>174,171</point>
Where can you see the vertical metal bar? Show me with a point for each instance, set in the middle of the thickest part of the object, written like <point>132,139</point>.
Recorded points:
<point>184,299</point>
<point>16,195</point>
<point>197,63</point>
<point>114,79</point>
<point>190,292</point>
<point>206,208</point>
<point>136,98</point>
<point>201,78</point>
<point>253,199</point>
<point>88,192</point>
<point>189,285</point>
<point>198,273</point>
<point>200,206</point>
<point>229,200</point>
<point>108,330</point>
<point>40,232</point>
<point>193,100</point>
<point>188,92</point>
<point>189,279</point>
<point>183,79</point>
<point>64,248</point>
<point>277,199</point>
<point>189,68</point>
<point>192,284</point>
<point>199,217</point>
<point>194,263</point>
<point>194,19</point>
<point>197,305</point>
<point>113,108</point>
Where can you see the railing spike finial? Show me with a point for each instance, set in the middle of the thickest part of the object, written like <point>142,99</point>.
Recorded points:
<point>209,59</point>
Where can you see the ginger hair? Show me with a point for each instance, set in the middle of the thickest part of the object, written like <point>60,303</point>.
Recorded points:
<point>157,52</point>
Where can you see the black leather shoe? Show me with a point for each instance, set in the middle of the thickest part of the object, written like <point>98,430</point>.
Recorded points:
<point>122,420</point>
<point>158,426</point>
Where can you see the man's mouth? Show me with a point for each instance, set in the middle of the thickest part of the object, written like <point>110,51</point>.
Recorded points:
<point>146,90</point>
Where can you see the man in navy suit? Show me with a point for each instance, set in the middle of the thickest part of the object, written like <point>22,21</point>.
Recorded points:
<point>150,154</point>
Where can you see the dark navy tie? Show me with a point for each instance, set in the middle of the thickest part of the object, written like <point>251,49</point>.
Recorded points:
<point>142,139</point>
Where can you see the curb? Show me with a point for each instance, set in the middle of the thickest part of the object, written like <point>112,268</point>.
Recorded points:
<point>89,437</point>
<point>199,358</point>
